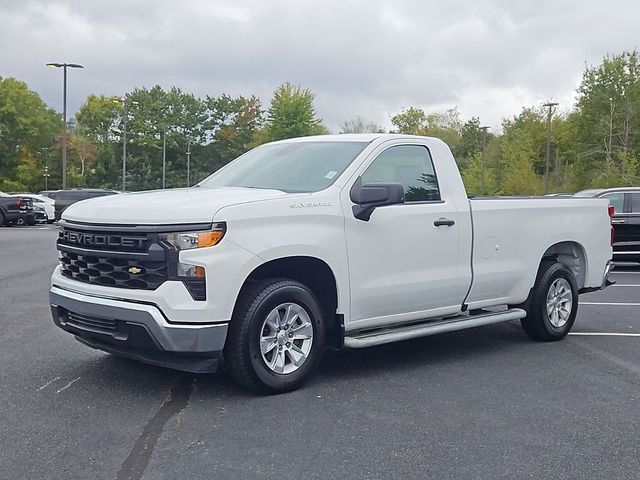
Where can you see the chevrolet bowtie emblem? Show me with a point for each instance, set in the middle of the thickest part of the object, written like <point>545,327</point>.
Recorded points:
<point>134,270</point>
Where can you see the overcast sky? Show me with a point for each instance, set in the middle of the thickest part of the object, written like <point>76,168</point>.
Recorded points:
<point>368,58</point>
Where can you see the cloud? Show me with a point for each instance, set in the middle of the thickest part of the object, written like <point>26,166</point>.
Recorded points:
<point>368,58</point>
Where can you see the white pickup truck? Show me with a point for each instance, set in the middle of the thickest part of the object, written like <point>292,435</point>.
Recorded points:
<point>344,241</point>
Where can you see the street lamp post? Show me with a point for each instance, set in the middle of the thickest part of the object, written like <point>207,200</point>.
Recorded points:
<point>45,170</point>
<point>164,159</point>
<point>64,66</point>
<point>189,163</point>
<point>550,106</point>
<point>125,103</point>
<point>484,163</point>
<point>124,147</point>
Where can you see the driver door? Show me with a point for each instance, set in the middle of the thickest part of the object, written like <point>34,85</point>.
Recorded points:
<point>403,263</point>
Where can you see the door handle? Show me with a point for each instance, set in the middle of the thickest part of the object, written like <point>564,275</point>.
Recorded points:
<point>444,222</point>
<point>618,221</point>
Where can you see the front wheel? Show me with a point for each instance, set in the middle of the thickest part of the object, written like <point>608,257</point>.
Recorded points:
<point>552,304</point>
<point>276,337</point>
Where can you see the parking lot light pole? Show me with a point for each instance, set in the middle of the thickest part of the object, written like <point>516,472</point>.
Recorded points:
<point>64,66</point>
<point>484,163</point>
<point>46,170</point>
<point>550,106</point>
<point>164,159</point>
<point>189,163</point>
<point>125,103</point>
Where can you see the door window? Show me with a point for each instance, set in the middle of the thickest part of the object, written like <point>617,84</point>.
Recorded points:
<point>617,200</point>
<point>410,165</point>
<point>635,202</point>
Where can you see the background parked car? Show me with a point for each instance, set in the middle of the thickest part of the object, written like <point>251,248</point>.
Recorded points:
<point>626,220</point>
<point>45,203</point>
<point>16,210</point>
<point>49,193</point>
<point>64,198</point>
<point>39,215</point>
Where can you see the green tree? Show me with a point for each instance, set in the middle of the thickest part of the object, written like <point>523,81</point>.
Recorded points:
<point>97,139</point>
<point>519,154</point>
<point>607,122</point>
<point>238,127</point>
<point>443,125</point>
<point>291,114</point>
<point>478,178</point>
<point>360,125</point>
<point>410,121</point>
<point>27,127</point>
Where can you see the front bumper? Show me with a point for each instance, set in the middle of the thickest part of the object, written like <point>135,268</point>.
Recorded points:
<point>138,331</point>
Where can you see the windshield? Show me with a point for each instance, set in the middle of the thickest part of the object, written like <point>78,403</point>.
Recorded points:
<point>290,167</point>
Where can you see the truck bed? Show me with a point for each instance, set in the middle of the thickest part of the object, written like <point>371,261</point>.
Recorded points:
<point>507,244</point>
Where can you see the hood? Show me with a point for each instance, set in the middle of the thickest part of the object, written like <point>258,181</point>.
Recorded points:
<point>164,207</point>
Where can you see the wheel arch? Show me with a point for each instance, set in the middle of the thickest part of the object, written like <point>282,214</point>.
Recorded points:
<point>573,255</point>
<point>315,274</point>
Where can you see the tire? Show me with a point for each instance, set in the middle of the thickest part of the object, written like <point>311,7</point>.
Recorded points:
<point>552,305</point>
<point>3,220</point>
<point>260,309</point>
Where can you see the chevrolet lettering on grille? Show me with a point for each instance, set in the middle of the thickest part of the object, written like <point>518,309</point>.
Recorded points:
<point>101,240</point>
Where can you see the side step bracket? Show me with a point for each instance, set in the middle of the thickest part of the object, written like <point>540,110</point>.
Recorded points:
<point>380,337</point>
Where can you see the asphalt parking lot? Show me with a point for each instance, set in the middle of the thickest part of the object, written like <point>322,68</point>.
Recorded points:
<point>487,403</point>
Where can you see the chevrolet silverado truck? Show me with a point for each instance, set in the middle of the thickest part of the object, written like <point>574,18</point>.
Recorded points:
<point>345,241</point>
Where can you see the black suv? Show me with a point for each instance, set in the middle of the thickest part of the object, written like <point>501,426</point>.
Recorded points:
<point>64,198</point>
<point>626,220</point>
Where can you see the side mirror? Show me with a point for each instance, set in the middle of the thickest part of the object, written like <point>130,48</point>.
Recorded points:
<point>368,197</point>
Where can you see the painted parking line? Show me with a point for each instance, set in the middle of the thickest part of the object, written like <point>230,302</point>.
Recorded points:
<point>604,334</point>
<point>612,304</point>
<point>626,285</point>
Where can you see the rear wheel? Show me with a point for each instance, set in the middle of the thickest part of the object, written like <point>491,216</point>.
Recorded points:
<point>553,303</point>
<point>276,336</point>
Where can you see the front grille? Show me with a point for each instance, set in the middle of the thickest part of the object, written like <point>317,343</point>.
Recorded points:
<point>113,272</point>
<point>113,257</point>
<point>91,322</point>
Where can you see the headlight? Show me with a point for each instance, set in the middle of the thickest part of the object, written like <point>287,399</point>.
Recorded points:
<point>191,240</point>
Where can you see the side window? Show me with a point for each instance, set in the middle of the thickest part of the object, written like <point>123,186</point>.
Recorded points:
<point>635,202</point>
<point>617,200</point>
<point>410,165</point>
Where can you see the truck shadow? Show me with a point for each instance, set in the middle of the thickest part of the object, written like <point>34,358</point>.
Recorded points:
<point>343,366</point>
<point>423,353</point>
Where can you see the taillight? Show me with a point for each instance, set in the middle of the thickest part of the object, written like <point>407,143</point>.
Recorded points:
<point>18,203</point>
<point>612,211</point>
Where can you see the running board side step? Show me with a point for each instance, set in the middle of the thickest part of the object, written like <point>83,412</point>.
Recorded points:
<point>380,337</point>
